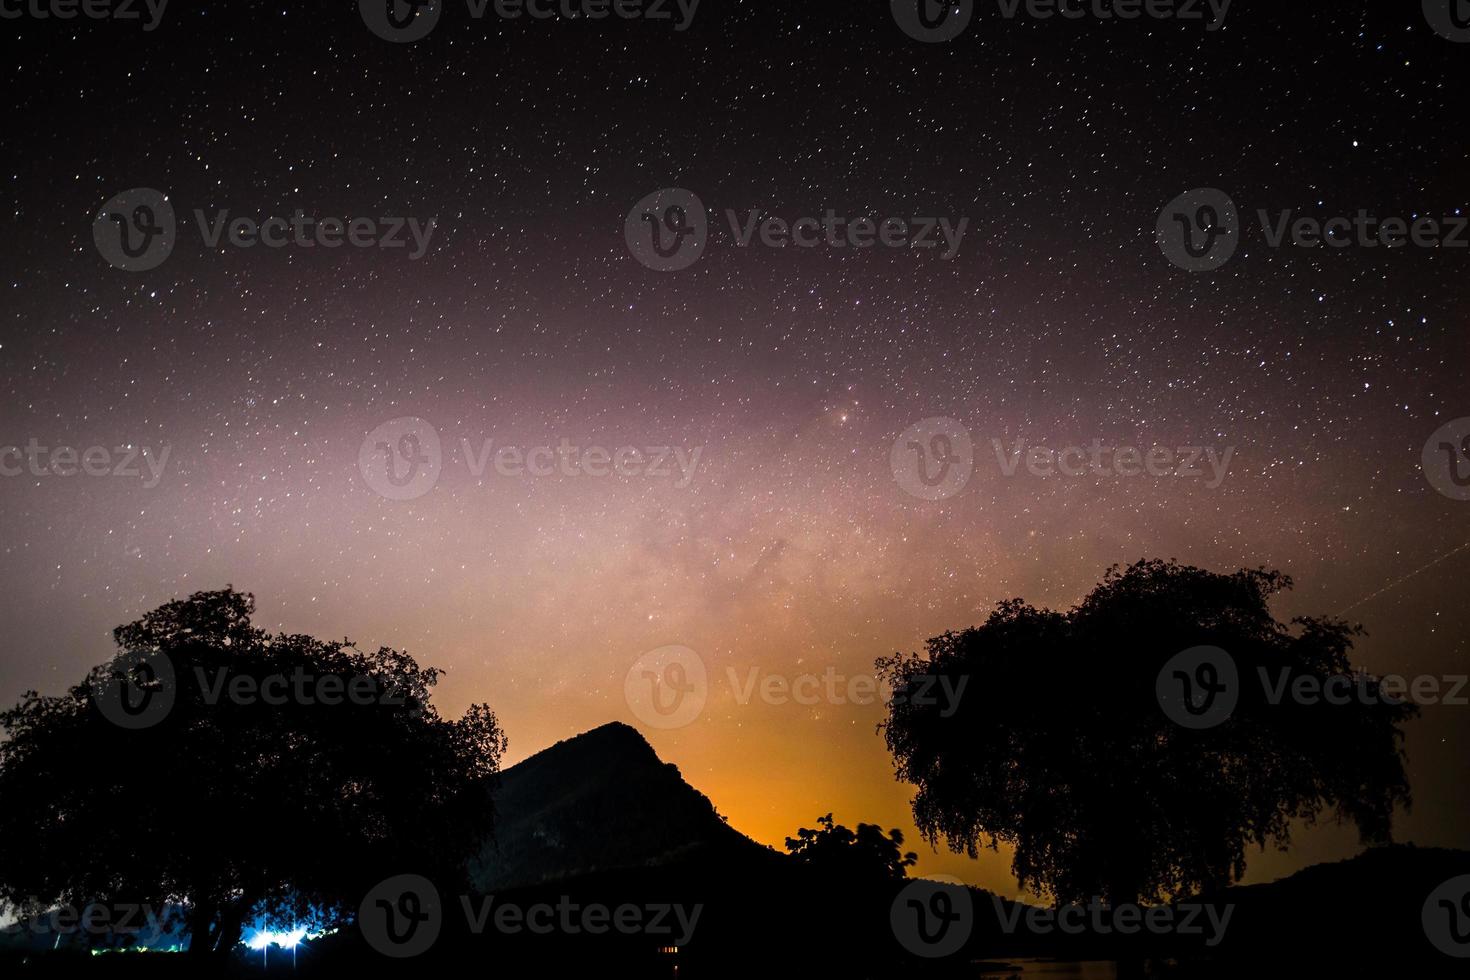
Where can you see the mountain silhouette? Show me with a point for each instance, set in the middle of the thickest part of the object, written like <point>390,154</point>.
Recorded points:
<point>602,801</point>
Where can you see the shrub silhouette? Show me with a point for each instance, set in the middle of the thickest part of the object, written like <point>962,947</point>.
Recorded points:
<point>866,855</point>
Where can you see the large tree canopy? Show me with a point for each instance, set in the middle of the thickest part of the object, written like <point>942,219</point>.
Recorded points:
<point>1060,749</point>
<point>233,804</point>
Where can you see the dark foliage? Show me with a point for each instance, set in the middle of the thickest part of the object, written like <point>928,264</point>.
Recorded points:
<point>866,854</point>
<point>234,807</point>
<point>1060,749</point>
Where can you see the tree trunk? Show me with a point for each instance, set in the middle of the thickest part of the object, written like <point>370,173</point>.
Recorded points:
<point>232,924</point>
<point>1131,967</point>
<point>1130,963</point>
<point>201,930</point>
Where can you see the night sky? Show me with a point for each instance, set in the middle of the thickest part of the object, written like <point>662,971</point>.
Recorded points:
<point>793,548</point>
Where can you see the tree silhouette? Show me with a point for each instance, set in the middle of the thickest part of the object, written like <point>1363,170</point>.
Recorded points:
<point>231,806</point>
<point>865,856</point>
<point>1060,747</point>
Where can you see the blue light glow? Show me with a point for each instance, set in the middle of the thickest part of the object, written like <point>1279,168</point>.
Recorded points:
<point>261,938</point>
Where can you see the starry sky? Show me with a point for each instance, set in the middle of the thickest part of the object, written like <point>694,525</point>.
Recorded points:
<point>794,548</point>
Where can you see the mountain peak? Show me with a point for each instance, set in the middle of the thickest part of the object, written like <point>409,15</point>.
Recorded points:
<point>614,732</point>
<point>599,801</point>
<point>612,745</point>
